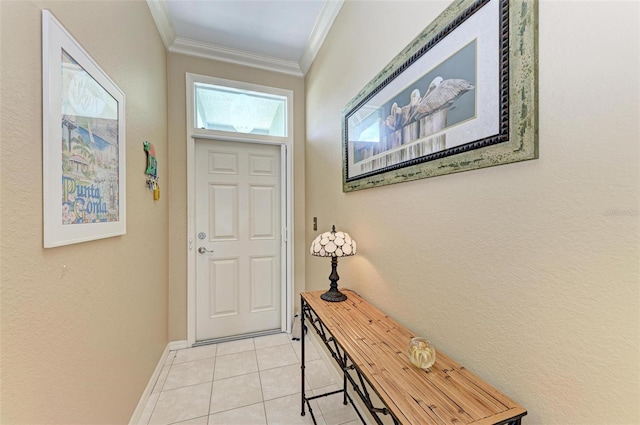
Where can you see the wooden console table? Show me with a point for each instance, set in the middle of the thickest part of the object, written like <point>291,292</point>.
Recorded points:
<point>370,348</point>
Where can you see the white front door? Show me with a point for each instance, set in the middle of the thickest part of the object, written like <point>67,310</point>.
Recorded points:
<point>238,239</point>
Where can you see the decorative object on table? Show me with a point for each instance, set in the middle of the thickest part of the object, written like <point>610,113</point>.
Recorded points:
<point>152,170</point>
<point>333,244</point>
<point>461,96</point>
<point>84,172</point>
<point>421,353</point>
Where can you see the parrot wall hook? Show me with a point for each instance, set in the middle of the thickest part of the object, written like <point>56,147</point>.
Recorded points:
<point>152,170</point>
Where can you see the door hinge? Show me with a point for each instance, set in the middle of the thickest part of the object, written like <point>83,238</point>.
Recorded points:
<point>285,234</point>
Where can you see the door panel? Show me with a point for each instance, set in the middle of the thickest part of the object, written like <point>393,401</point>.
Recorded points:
<point>223,285</point>
<point>223,212</point>
<point>263,284</point>
<point>262,212</point>
<point>223,163</point>
<point>262,166</point>
<point>238,223</point>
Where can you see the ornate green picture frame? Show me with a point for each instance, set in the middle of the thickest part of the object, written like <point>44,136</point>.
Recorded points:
<point>461,96</point>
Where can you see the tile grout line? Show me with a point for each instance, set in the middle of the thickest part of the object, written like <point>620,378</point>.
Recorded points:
<point>154,409</point>
<point>213,373</point>
<point>264,407</point>
<point>159,390</point>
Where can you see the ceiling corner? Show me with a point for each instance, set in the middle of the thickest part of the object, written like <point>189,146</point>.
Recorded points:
<point>163,21</point>
<point>321,29</point>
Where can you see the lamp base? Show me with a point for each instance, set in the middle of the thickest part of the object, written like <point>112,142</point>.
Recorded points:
<point>333,296</point>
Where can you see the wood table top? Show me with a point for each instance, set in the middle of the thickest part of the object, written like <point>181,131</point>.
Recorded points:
<point>446,394</point>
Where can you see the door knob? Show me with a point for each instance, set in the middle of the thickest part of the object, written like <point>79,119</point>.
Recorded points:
<point>202,250</point>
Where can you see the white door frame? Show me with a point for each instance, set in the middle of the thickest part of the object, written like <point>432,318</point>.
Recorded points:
<point>286,173</point>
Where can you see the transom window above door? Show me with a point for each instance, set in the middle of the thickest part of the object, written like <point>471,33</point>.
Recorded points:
<point>237,110</point>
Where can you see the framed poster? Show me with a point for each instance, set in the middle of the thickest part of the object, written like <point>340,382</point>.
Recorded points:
<point>460,96</point>
<point>84,189</point>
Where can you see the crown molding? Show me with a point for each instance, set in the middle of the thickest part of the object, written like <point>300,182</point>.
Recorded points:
<point>185,46</point>
<point>189,47</point>
<point>320,30</point>
<point>163,21</point>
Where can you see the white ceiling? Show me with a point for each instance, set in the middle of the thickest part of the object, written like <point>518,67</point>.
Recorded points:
<point>278,35</point>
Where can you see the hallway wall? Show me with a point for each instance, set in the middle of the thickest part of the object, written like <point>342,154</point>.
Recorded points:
<point>83,325</point>
<point>527,273</point>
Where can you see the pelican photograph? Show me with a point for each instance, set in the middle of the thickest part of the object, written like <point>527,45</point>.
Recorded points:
<point>411,124</point>
<point>445,94</point>
<point>440,99</point>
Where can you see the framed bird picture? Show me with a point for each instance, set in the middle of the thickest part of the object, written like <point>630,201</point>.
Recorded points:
<point>461,96</point>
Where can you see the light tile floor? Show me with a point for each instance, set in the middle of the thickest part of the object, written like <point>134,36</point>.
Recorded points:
<point>253,381</point>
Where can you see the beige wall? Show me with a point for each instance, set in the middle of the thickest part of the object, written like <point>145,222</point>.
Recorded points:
<point>526,273</point>
<point>177,67</point>
<point>79,346</point>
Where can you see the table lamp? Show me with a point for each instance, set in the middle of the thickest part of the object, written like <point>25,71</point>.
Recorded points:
<point>333,244</point>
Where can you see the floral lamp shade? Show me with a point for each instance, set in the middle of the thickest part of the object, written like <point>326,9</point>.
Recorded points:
<point>333,244</point>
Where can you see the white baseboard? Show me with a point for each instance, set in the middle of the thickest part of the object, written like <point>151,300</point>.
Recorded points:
<point>178,345</point>
<point>171,346</point>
